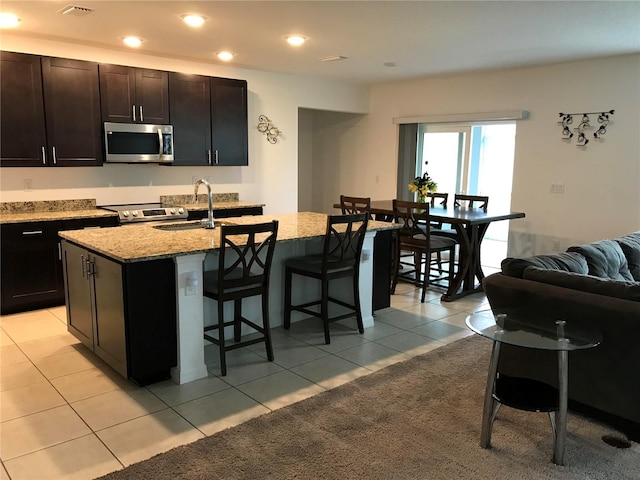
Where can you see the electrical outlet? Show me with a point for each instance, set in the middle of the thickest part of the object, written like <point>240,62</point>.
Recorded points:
<point>190,290</point>
<point>557,188</point>
<point>556,245</point>
<point>27,183</point>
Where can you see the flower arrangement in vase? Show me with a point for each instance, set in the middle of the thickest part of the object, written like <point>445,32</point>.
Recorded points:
<point>422,186</point>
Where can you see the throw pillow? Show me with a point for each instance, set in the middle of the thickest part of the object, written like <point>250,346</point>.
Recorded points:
<point>630,245</point>
<point>605,260</point>
<point>570,262</point>
<point>585,283</point>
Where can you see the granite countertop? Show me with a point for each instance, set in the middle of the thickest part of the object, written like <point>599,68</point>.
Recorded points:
<point>49,210</point>
<point>135,243</point>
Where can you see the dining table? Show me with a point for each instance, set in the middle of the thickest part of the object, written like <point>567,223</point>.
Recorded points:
<point>470,224</point>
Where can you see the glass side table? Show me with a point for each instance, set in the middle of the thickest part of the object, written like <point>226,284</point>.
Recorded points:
<point>514,328</point>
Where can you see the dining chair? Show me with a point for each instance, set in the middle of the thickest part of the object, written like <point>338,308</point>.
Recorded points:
<point>415,236</point>
<point>471,201</point>
<point>244,266</point>
<point>340,258</point>
<point>352,205</point>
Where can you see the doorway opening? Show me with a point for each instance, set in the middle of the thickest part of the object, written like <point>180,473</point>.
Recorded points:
<point>476,160</point>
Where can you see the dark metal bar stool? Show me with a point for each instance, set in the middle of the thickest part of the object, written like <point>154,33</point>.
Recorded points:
<point>243,271</point>
<point>340,258</point>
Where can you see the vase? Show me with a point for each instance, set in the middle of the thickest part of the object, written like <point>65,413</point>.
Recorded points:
<point>422,198</point>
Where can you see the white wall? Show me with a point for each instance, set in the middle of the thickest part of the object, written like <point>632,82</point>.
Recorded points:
<point>271,176</point>
<point>602,180</point>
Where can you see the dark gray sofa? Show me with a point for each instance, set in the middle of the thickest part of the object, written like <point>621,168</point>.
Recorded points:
<point>595,286</point>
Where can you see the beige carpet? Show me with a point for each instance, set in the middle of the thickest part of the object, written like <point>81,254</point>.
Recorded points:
<point>419,419</point>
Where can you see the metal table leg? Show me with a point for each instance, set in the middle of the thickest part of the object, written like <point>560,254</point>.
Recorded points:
<point>561,419</point>
<point>491,405</point>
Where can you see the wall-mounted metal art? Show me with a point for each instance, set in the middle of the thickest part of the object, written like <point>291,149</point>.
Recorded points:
<point>267,127</point>
<point>582,140</point>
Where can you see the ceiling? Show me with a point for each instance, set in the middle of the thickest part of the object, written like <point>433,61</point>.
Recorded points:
<point>418,38</point>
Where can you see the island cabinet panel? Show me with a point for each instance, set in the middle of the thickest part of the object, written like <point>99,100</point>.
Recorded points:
<point>125,313</point>
<point>134,95</point>
<point>31,271</point>
<point>189,106</point>
<point>50,112</point>
<point>229,121</point>
<point>209,117</point>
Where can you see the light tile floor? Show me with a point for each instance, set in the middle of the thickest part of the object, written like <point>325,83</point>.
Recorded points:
<point>58,399</point>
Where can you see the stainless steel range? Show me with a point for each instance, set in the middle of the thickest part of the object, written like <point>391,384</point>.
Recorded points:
<point>147,212</point>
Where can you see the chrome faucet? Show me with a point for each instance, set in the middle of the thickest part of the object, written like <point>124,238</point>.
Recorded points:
<point>210,223</point>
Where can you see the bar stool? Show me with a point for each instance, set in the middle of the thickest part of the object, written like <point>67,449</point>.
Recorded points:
<point>243,271</point>
<point>340,258</point>
<point>355,205</point>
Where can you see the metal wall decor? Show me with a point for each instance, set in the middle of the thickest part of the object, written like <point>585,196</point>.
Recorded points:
<point>267,127</point>
<point>582,140</point>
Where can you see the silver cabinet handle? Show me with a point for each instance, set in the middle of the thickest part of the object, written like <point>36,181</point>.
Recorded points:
<point>133,112</point>
<point>209,156</point>
<point>59,251</point>
<point>44,156</point>
<point>141,115</point>
<point>91,267</point>
<point>55,160</point>
<point>32,232</point>
<point>216,157</point>
<point>84,266</point>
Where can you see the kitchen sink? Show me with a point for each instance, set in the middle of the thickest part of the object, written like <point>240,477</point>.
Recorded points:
<point>188,225</point>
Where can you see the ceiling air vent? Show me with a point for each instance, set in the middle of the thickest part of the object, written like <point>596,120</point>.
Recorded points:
<point>75,11</point>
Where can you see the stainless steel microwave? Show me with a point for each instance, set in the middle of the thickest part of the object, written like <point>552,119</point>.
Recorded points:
<point>138,143</point>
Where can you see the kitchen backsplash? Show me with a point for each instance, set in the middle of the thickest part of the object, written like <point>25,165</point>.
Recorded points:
<point>177,200</point>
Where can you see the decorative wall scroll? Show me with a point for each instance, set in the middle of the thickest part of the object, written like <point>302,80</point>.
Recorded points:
<point>267,127</point>
<point>582,140</point>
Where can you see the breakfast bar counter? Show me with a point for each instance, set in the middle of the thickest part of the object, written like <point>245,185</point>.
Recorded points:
<point>157,309</point>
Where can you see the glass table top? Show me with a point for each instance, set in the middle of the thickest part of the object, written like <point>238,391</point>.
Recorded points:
<point>519,329</point>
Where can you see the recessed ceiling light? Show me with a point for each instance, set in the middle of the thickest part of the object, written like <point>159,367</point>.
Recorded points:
<point>296,40</point>
<point>132,41</point>
<point>193,20</point>
<point>225,56</point>
<point>333,58</point>
<point>390,64</point>
<point>8,20</point>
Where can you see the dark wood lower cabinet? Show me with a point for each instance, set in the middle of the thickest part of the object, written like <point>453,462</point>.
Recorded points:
<point>31,265</point>
<point>125,313</point>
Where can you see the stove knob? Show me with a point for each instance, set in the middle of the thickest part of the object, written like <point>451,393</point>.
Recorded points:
<point>134,213</point>
<point>181,211</point>
<point>125,213</point>
<point>173,211</point>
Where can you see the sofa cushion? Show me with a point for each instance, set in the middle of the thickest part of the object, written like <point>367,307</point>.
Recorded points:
<point>605,260</point>
<point>585,283</point>
<point>570,262</point>
<point>630,245</point>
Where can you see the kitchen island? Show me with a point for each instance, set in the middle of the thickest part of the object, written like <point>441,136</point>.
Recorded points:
<point>166,267</point>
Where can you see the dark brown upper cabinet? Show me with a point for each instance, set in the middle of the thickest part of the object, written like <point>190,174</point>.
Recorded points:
<point>134,95</point>
<point>209,118</point>
<point>49,112</point>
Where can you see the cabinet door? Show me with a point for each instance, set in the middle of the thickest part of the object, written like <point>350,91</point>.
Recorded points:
<point>109,328</point>
<point>152,96</point>
<point>189,106</point>
<point>31,267</point>
<point>229,121</point>
<point>72,108</point>
<point>117,93</point>
<point>22,130</point>
<point>77,289</point>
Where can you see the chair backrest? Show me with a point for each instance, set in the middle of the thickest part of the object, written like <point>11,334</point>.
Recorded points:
<point>437,198</point>
<point>343,241</point>
<point>471,201</point>
<point>350,205</point>
<point>245,256</point>
<point>413,218</point>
